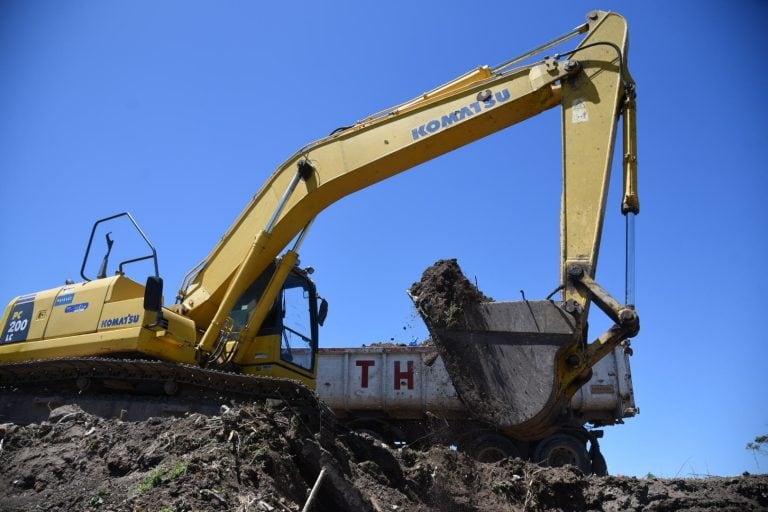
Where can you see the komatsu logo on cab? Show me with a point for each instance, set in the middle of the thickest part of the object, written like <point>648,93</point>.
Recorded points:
<point>435,125</point>
<point>122,320</point>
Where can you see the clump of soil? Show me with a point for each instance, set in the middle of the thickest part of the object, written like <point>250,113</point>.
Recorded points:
<point>447,302</point>
<point>444,294</point>
<point>268,457</point>
<point>443,298</point>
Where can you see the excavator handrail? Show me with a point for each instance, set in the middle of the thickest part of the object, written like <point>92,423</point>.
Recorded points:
<point>152,256</point>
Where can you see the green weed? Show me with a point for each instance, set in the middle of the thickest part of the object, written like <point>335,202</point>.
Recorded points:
<point>152,480</point>
<point>160,475</point>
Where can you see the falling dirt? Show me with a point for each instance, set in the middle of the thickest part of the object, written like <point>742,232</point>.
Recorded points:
<point>445,298</point>
<point>444,294</point>
<point>268,457</point>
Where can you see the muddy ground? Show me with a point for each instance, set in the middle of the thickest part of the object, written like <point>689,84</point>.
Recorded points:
<point>268,457</point>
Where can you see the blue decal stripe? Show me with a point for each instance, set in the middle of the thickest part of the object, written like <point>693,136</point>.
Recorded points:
<point>62,300</point>
<point>26,298</point>
<point>76,308</point>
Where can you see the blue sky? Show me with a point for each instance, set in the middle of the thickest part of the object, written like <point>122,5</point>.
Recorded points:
<point>178,111</point>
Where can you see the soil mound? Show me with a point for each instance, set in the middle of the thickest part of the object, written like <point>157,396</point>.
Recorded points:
<point>268,457</point>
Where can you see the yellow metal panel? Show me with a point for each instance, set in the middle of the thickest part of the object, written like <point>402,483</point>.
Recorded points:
<point>180,328</point>
<point>262,357</point>
<point>93,344</point>
<point>262,350</point>
<point>122,314</point>
<point>103,343</point>
<point>41,314</point>
<point>591,104</point>
<point>124,288</point>
<point>26,316</point>
<point>166,348</point>
<point>77,308</point>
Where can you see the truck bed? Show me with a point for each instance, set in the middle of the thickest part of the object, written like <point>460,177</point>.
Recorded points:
<point>410,382</point>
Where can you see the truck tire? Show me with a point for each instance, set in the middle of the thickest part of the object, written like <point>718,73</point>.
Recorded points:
<point>492,447</point>
<point>562,449</point>
<point>599,465</point>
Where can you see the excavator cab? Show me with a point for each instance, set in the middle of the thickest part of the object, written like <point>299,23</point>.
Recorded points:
<point>286,343</point>
<point>299,323</point>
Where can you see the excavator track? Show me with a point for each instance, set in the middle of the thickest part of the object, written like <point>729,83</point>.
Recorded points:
<point>133,389</point>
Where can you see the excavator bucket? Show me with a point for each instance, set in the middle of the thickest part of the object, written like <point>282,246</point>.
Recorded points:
<point>502,356</point>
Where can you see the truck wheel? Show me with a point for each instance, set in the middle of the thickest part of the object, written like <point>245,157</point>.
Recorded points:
<point>492,447</point>
<point>562,449</point>
<point>599,465</point>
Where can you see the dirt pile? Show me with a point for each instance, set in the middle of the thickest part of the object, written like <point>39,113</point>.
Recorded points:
<point>268,457</point>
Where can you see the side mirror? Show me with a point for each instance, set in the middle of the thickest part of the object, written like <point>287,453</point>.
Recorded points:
<point>153,294</point>
<point>322,311</point>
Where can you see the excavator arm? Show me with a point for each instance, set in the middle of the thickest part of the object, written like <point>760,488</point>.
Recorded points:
<point>371,151</point>
<point>591,85</point>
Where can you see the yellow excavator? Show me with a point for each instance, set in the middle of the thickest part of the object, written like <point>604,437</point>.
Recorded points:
<point>246,318</point>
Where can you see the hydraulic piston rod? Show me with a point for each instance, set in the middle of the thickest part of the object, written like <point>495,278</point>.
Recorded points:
<point>630,205</point>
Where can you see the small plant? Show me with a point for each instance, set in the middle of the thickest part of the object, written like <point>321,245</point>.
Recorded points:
<point>178,471</point>
<point>154,479</point>
<point>160,475</point>
<point>453,316</point>
<point>758,447</point>
<point>96,501</point>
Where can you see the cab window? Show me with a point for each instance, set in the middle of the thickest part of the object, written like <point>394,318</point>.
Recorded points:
<point>298,322</point>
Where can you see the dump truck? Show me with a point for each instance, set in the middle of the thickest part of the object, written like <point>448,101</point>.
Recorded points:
<point>404,396</point>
